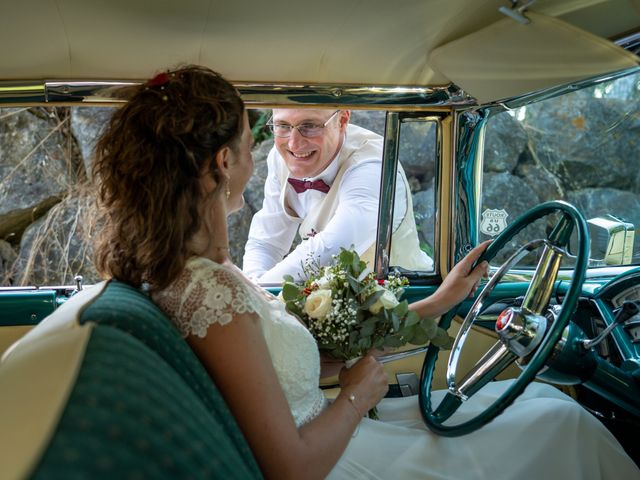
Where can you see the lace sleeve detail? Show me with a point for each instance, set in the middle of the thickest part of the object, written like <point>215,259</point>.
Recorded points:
<point>204,294</point>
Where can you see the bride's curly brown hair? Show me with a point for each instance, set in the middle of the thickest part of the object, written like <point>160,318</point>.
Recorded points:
<point>147,167</point>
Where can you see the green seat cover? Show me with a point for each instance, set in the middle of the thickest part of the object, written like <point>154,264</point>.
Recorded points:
<point>131,416</point>
<point>131,311</point>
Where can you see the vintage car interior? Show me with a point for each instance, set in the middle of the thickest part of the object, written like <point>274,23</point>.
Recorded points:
<point>517,121</point>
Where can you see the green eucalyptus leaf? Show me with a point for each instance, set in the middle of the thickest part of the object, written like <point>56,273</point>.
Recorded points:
<point>371,320</point>
<point>288,279</point>
<point>420,337</point>
<point>294,309</point>
<point>402,309</point>
<point>355,265</point>
<point>407,332</point>
<point>368,328</point>
<point>354,284</point>
<point>346,257</point>
<point>393,341</point>
<point>395,321</point>
<point>290,292</point>
<point>371,299</point>
<point>411,319</point>
<point>430,326</point>
<point>442,340</point>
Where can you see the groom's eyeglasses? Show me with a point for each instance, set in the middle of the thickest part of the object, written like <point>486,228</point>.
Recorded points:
<point>308,130</point>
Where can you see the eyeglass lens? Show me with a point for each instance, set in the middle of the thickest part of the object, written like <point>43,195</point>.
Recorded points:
<point>305,129</point>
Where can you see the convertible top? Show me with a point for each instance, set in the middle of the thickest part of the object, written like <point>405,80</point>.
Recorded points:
<point>375,42</point>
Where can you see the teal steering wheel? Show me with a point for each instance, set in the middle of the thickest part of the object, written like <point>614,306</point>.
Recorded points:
<point>525,334</point>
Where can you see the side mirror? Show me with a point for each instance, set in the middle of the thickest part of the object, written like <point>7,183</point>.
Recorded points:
<point>611,240</point>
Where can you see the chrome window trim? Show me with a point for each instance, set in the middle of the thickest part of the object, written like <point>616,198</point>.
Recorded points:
<point>256,95</point>
<point>387,193</point>
<point>384,232</point>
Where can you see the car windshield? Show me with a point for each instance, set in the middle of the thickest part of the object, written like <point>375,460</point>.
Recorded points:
<point>582,147</point>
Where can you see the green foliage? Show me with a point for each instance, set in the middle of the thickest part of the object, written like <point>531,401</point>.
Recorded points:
<point>428,249</point>
<point>259,129</point>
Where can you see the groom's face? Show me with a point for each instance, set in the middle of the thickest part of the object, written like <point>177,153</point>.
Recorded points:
<point>308,156</point>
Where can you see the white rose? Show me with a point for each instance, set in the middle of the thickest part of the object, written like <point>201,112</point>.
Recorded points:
<point>318,303</point>
<point>324,281</point>
<point>387,300</point>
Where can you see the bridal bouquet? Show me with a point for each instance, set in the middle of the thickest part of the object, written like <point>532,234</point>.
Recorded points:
<point>349,311</point>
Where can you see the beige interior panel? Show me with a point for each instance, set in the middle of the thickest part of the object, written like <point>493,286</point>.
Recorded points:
<point>8,335</point>
<point>507,58</point>
<point>35,380</point>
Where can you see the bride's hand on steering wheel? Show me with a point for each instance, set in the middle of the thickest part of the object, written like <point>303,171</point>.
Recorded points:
<point>463,280</point>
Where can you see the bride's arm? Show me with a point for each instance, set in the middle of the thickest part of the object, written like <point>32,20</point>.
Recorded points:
<point>236,357</point>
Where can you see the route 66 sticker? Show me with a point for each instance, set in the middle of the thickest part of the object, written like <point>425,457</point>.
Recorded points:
<point>493,221</point>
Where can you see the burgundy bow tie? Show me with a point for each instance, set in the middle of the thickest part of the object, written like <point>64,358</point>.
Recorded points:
<point>301,185</point>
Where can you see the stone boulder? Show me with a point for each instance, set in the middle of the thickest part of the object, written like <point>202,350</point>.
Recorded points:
<point>504,141</point>
<point>254,193</point>
<point>87,123</point>
<point>238,224</point>
<point>371,120</point>
<point>417,151</point>
<point>38,164</point>
<point>424,211</point>
<point>546,185</point>
<point>563,140</point>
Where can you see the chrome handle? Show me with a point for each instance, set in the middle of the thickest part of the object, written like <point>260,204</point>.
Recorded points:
<point>626,311</point>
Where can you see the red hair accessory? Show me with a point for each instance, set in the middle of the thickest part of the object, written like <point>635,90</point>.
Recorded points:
<point>159,80</point>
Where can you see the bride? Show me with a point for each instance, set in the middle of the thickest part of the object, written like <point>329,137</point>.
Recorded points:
<point>171,166</point>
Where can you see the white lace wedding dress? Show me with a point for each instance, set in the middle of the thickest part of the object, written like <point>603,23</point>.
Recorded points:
<point>543,435</point>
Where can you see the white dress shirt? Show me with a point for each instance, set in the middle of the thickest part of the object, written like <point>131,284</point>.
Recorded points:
<point>267,258</point>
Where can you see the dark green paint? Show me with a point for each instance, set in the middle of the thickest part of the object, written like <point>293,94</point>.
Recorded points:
<point>26,307</point>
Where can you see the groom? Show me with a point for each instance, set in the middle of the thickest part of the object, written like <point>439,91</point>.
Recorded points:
<point>323,182</point>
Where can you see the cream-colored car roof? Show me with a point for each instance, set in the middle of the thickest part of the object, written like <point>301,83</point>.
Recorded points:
<point>372,42</point>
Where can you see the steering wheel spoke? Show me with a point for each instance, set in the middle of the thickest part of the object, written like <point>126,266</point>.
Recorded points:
<point>539,292</point>
<point>497,358</point>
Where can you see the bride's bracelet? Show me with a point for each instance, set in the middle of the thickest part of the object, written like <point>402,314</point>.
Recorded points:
<point>352,400</point>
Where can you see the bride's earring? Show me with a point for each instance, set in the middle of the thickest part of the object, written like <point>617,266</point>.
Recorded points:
<point>227,190</point>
